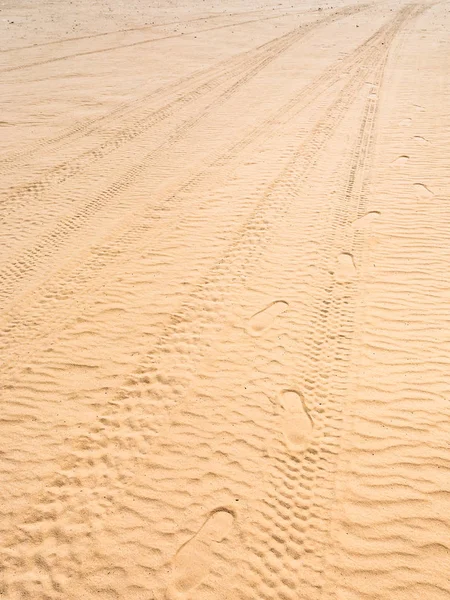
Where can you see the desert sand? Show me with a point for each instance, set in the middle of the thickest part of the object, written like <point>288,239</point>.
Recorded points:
<point>224,283</point>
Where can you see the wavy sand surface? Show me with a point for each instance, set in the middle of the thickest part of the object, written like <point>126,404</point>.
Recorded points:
<point>225,301</point>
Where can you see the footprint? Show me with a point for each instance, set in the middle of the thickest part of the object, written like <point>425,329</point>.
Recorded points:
<point>264,318</point>
<point>366,220</point>
<point>419,108</point>
<point>193,560</point>
<point>421,140</point>
<point>297,426</point>
<point>406,122</point>
<point>345,270</point>
<point>422,192</point>
<point>400,161</point>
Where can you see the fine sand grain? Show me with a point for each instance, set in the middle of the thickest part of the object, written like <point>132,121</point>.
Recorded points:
<point>224,284</point>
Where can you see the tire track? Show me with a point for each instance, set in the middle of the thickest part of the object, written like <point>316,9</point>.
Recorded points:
<point>126,107</point>
<point>248,66</point>
<point>134,44</point>
<point>142,224</point>
<point>93,125</point>
<point>132,29</point>
<point>299,509</point>
<point>391,488</point>
<point>117,436</point>
<point>253,61</point>
<point>82,214</point>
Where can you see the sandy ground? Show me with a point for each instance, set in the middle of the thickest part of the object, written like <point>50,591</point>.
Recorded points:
<point>225,331</point>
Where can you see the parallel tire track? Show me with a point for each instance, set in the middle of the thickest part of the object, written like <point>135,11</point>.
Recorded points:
<point>17,268</point>
<point>134,44</point>
<point>132,29</point>
<point>91,125</point>
<point>306,482</point>
<point>111,444</point>
<point>181,87</point>
<point>198,84</point>
<point>143,223</point>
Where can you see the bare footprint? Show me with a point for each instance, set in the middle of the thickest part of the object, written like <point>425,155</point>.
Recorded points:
<point>406,122</point>
<point>400,161</point>
<point>345,269</point>
<point>193,560</point>
<point>264,318</point>
<point>422,191</point>
<point>421,140</point>
<point>366,220</point>
<point>297,424</point>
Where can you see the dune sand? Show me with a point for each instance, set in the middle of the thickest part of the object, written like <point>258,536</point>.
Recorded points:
<point>225,300</point>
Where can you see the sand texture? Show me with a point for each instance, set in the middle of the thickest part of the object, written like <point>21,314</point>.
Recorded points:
<point>224,285</point>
